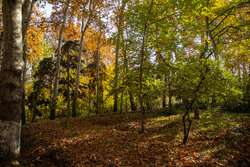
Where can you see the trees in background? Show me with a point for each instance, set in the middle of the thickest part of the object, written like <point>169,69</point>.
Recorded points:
<point>128,55</point>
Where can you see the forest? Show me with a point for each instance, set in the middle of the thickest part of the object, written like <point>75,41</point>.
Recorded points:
<point>124,83</point>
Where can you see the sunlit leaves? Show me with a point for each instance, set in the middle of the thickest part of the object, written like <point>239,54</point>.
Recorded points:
<point>37,46</point>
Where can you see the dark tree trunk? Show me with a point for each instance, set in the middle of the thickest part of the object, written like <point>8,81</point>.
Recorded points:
<point>196,114</point>
<point>141,68</point>
<point>140,81</point>
<point>102,94</point>
<point>164,101</point>
<point>34,102</point>
<point>169,95</point>
<point>23,83</point>
<point>213,102</point>
<point>68,91</point>
<point>97,73</point>
<point>121,107</point>
<point>131,98</point>
<point>186,127</point>
<point>132,102</point>
<point>196,111</point>
<point>148,104</point>
<point>89,96</point>
<point>126,102</point>
<point>246,97</point>
<point>170,102</point>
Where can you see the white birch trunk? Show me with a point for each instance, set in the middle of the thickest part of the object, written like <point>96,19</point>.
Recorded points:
<point>11,82</point>
<point>58,62</point>
<point>74,103</point>
<point>84,28</point>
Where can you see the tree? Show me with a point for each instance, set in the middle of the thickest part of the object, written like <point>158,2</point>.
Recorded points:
<point>58,61</point>
<point>11,79</point>
<point>144,37</point>
<point>91,7</point>
<point>98,72</point>
<point>26,18</point>
<point>42,77</point>
<point>120,29</point>
<point>69,61</point>
<point>74,104</point>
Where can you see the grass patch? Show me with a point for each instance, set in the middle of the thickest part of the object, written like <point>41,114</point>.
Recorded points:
<point>215,150</point>
<point>161,119</point>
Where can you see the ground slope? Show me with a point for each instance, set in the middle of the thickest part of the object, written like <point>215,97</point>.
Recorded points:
<point>218,139</point>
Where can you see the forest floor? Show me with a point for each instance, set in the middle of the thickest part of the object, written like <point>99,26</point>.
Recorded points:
<point>217,139</point>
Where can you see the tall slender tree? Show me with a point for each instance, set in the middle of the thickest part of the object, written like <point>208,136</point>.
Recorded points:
<point>118,37</point>
<point>145,33</point>
<point>26,12</point>
<point>84,27</point>
<point>58,61</point>
<point>98,71</point>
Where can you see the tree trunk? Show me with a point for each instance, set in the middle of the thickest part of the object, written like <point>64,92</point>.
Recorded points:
<point>58,62</point>
<point>132,102</point>
<point>34,110</point>
<point>126,102</point>
<point>116,66</point>
<point>246,96</point>
<point>84,27</point>
<point>102,94</point>
<point>11,82</point>
<point>89,96</point>
<point>140,81</point>
<point>131,98</point>
<point>169,94</point>
<point>164,101</point>
<point>97,73</point>
<point>23,83</point>
<point>196,114</point>
<point>189,106</point>
<point>68,91</point>
<point>1,48</point>
<point>170,102</point>
<point>121,105</point>
<point>196,111</point>
<point>120,31</point>
<point>74,103</point>
<point>141,68</point>
<point>26,14</point>
<point>186,129</point>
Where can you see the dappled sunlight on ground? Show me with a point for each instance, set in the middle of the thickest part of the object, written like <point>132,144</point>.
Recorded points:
<point>115,139</point>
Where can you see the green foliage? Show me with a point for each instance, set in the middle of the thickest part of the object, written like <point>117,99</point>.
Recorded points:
<point>193,50</point>
<point>39,98</point>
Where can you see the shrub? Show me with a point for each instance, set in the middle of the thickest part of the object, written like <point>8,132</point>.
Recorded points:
<point>168,111</point>
<point>236,108</point>
<point>179,106</point>
<point>204,106</point>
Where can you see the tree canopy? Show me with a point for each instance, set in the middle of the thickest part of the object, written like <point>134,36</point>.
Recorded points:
<point>92,57</point>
